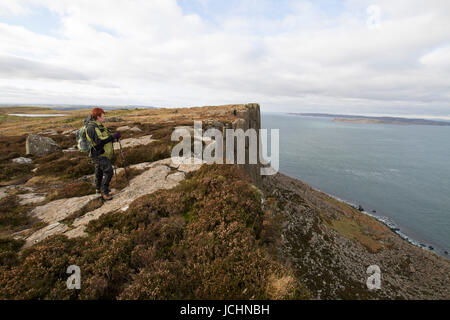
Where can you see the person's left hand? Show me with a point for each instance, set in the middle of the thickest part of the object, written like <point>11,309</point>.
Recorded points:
<point>116,135</point>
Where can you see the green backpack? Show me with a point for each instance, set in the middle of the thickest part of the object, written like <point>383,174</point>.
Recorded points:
<point>82,142</point>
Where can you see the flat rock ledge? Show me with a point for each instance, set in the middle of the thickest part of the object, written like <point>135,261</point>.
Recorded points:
<point>162,174</point>
<point>133,142</point>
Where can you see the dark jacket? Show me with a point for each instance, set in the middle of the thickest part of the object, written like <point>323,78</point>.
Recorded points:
<point>93,130</point>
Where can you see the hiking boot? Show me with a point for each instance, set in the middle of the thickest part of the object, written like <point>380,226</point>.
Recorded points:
<point>97,191</point>
<point>106,197</point>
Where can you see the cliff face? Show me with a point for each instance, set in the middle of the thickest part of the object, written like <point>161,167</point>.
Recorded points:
<point>249,118</point>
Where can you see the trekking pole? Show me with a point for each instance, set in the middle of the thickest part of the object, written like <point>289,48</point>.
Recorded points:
<point>123,161</point>
<point>114,165</point>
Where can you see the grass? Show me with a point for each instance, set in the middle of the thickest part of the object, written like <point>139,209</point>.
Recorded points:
<point>356,226</point>
<point>12,125</point>
<point>352,229</point>
<point>351,223</point>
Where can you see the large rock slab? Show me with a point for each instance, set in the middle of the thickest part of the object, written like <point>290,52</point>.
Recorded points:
<point>38,145</point>
<point>60,209</point>
<point>148,182</point>
<point>158,175</point>
<point>133,142</point>
<point>50,230</point>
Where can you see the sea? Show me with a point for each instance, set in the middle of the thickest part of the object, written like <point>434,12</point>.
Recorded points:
<point>400,174</point>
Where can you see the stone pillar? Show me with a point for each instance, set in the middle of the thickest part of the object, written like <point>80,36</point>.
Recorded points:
<point>248,118</point>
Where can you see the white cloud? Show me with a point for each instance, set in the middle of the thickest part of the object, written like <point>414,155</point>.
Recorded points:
<point>151,52</point>
<point>13,7</point>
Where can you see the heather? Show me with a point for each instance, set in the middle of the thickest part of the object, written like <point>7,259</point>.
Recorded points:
<point>199,240</point>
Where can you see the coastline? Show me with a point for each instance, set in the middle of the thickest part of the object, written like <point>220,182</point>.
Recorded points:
<point>388,222</point>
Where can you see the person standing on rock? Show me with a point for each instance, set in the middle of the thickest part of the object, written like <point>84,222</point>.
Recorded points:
<point>101,151</point>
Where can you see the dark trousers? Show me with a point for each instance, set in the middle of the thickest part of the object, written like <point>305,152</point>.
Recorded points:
<point>103,173</point>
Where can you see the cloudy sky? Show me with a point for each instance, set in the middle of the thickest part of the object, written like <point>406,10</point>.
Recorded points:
<point>353,56</point>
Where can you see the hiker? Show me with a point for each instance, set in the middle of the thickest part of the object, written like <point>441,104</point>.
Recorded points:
<point>101,150</point>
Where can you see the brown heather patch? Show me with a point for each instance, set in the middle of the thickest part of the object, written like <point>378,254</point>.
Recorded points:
<point>14,171</point>
<point>8,251</point>
<point>64,141</point>
<point>13,216</point>
<point>199,240</point>
<point>157,150</point>
<point>43,181</point>
<point>70,165</point>
<point>13,147</point>
<point>49,157</point>
<point>75,189</point>
<point>119,181</point>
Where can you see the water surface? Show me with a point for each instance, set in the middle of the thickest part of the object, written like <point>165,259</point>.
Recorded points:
<point>401,171</point>
<point>36,115</point>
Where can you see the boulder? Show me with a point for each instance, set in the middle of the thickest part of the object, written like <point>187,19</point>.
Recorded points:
<point>22,160</point>
<point>37,145</point>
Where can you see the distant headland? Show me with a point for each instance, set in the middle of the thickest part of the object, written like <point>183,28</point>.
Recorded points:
<point>375,120</point>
